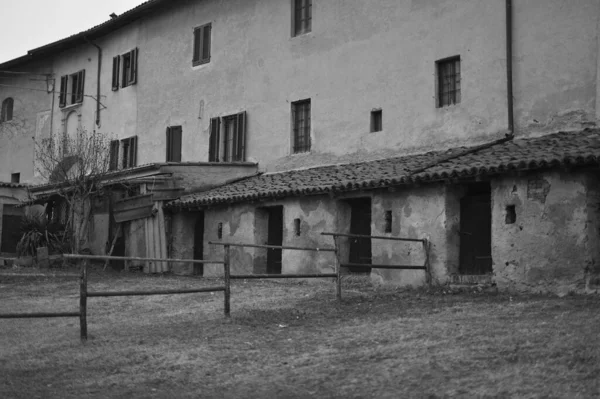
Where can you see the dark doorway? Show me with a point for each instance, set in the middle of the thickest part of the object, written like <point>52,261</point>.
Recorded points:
<point>274,237</point>
<point>360,223</point>
<point>11,229</point>
<point>116,229</point>
<point>476,230</point>
<point>199,244</point>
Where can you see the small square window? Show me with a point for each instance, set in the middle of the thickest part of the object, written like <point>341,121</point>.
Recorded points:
<point>511,214</point>
<point>15,178</point>
<point>449,90</point>
<point>376,120</point>
<point>297,223</point>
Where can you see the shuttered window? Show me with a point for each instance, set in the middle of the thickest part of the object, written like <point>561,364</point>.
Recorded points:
<point>202,41</point>
<point>301,126</point>
<point>174,143</point>
<point>228,139</point>
<point>71,89</point>
<point>129,66</point>
<point>129,152</point>
<point>301,17</point>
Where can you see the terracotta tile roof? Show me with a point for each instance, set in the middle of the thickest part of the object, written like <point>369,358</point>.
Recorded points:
<point>558,149</point>
<point>12,185</point>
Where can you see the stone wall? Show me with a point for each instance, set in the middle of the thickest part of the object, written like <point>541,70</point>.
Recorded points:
<point>552,244</point>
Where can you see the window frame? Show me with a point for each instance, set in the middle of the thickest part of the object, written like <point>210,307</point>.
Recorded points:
<point>299,108</point>
<point>74,82</point>
<point>174,143</point>
<point>448,81</point>
<point>201,46</point>
<point>7,110</point>
<point>218,150</point>
<point>129,152</point>
<point>15,178</point>
<point>301,17</point>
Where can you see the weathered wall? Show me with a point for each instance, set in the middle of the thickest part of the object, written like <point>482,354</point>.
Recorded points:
<point>182,230</point>
<point>353,61</point>
<point>416,213</point>
<point>548,247</point>
<point>30,119</point>
<point>593,232</point>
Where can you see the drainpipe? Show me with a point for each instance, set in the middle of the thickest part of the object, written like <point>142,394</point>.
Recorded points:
<point>509,68</point>
<point>98,82</point>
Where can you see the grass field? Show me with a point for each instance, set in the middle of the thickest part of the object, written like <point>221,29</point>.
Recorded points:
<point>294,340</point>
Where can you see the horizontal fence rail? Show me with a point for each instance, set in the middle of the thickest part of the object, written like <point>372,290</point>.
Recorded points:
<point>154,292</point>
<point>37,315</point>
<point>374,237</point>
<point>100,257</point>
<point>278,276</point>
<point>374,266</point>
<point>273,247</point>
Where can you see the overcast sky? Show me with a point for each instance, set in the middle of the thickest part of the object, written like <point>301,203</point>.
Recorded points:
<point>27,24</point>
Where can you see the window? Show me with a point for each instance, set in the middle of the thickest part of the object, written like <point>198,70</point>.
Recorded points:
<point>174,144</point>
<point>202,44</point>
<point>129,145</point>
<point>228,139</point>
<point>448,71</point>
<point>388,222</point>
<point>301,126</point>
<point>376,120</point>
<point>7,110</point>
<point>71,88</point>
<point>114,155</point>
<point>15,178</point>
<point>125,69</point>
<point>301,17</point>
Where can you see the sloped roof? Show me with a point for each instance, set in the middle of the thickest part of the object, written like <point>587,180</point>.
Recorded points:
<point>558,149</point>
<point>12,185</point>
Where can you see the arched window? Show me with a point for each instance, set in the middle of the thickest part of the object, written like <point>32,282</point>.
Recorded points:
<point>7,110</point>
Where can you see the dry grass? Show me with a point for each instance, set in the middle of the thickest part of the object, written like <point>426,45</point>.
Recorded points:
<point>294,340</point>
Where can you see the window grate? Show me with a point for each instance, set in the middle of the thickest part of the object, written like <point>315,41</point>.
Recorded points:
<point>449,90</point>
<point>301,126</point>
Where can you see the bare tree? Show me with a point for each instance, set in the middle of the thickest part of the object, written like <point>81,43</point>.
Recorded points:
<point>76,168</point>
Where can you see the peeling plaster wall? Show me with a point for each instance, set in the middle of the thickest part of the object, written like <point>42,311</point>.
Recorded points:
<point>238,227</point>
<point>416,213</point>
<point>548,248</point>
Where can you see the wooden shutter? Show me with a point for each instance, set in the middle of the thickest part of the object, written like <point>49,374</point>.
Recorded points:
<point>169,145</point>
<point>80,86</point>
<point>197,41</point>
<point>213,145</point>
<point>176,133</point>
<point>63,91</point>
<point>241,137</point>
<point>115,73</point>
<point>134,144</point>
<point>206,34</point>
<point>133,68</point>
<point>114,155</point>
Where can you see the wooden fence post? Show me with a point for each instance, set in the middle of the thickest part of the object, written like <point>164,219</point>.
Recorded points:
<point>227,260</point>
<point>83,301</point>
<point>338,269</point>
<point>427,249</point>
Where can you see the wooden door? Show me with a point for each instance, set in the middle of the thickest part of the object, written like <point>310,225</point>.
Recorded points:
<point>476,234</point>
<point>274,237</point>
<point>360,223</point>
<point>11,233</point>
<point>199,244</point>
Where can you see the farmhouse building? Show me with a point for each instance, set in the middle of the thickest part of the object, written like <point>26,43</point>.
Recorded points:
<point>469,123</point>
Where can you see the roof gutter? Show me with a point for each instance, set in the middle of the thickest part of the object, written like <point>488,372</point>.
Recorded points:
<point>98,79</point>
<point>509,68</point>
